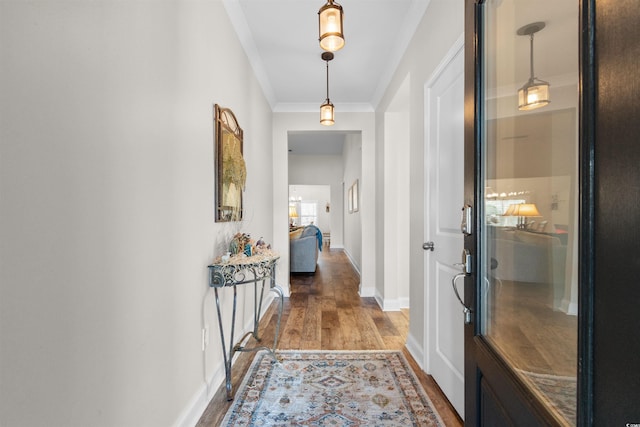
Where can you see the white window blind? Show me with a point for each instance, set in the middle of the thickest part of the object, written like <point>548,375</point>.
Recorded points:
<point>308,212</point>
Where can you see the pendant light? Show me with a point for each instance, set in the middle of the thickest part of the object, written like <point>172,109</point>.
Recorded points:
<point>326,109</point>
<point>535,92</point>
<point>330,26</point>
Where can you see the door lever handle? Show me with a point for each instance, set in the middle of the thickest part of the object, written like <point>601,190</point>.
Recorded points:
<point>466,310</point>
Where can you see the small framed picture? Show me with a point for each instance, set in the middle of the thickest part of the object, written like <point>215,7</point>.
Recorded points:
<point>356,196</point>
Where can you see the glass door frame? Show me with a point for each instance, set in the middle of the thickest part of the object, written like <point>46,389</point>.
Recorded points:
<point>512,398</point>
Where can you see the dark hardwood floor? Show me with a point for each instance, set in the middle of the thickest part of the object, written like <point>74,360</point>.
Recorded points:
<point>531,335</point>
<point>325,312</point>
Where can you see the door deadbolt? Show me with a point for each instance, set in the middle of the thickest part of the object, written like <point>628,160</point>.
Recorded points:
<point>466,225</point>
<point>466,262</point>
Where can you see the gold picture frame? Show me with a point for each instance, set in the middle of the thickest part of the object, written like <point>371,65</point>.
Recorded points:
<point>356,196</point>
<point>230,168</point>
<point>353,197</point>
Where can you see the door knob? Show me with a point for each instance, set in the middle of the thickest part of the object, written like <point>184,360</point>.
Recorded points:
<point>428,246</point>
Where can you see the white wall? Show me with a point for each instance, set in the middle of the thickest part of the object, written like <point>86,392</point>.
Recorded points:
<point>443,22</point>
<point>396,289</point>
<point>352,157</point>
<point>396,230</point>
<point>352,122</point>
<point>324,169</point>
<point>106,200</point>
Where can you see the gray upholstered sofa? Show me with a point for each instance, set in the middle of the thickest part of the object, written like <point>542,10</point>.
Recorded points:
<point>525,256</point>
<point>304,246</point>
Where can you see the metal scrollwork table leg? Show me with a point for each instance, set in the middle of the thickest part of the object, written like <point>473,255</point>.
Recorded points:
<point>221,280</point>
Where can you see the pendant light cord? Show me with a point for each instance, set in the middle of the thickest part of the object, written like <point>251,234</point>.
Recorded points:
<point>531,56</point>
<point>327,81</point>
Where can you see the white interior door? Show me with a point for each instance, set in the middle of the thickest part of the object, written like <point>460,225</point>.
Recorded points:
<point>444,185</point>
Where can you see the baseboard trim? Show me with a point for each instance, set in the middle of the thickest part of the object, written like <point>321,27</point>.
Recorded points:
<point>379,300</point>
<point>192,413</point>
<point>391,305</point>
<point>387,304</point>
<point>198,403</point>
<point>416,351</point>
<point>351,260</point>
<point>571,308</point>
<point>366,291</point>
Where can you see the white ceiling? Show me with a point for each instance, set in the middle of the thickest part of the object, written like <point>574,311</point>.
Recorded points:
<point>281,41</point>
<point>280,38</point>
<point>326,142</point>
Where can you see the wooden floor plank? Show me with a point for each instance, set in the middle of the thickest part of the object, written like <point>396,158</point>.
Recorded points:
<point>349,328</point>
<point>292,331</point>
<point>312,324</point>
<point>331,338</point>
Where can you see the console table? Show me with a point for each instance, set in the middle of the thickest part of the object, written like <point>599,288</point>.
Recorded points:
<point>257,269</point>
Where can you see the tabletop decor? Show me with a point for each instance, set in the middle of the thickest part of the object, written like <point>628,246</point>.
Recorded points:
<point>243,244</point>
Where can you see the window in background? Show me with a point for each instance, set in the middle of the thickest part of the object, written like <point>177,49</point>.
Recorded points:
<point>308,212</point>
<point>495,210</point>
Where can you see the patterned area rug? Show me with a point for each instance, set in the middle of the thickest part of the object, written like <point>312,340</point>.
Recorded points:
<point>558,391</point>
<point>337,388</point>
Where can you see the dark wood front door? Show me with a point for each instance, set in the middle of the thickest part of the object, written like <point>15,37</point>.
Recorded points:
<point>522,181</point>
<point>552,175</point>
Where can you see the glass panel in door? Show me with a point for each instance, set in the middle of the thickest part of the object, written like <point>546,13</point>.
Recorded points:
<point>528,262</point>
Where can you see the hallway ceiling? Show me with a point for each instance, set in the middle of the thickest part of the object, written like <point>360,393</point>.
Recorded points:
<point>280,38</point>
<point>326,142</point>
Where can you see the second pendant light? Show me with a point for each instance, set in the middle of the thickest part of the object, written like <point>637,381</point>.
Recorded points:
<point>326,109</point>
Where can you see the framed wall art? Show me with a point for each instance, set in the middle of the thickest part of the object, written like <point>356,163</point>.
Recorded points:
<point>353,197</point>
<point>230,168</point>
<point>356,196</point>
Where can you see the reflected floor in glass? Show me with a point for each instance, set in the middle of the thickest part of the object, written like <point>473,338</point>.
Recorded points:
<point>538,341</point>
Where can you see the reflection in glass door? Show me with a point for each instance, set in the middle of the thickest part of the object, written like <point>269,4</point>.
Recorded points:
<point>529,171</point>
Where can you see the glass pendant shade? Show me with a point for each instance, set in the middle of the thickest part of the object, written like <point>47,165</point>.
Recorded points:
<point>331,35</point>
<point>534,94</point>
<point>326,114</point>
